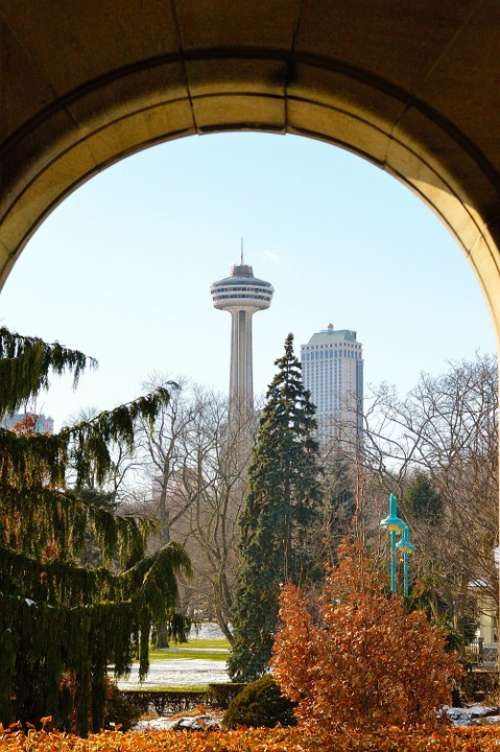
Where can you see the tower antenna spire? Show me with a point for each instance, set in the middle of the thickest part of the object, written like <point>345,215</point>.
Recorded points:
<point>242,261</point>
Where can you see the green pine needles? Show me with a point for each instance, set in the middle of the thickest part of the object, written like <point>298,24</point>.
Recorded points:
<point>62,624</point>
<point>283,501</point>
<point>25,364</point>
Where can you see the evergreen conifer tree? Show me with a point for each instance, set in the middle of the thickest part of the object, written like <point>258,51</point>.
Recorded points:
<point>282,502</point>
<point>421,499</point>
<point>61,621</point>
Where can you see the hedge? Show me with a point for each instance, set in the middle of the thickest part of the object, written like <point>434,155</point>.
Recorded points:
<point>479,739</point>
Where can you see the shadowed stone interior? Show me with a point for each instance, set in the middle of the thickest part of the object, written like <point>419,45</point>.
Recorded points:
<point>411,86</point>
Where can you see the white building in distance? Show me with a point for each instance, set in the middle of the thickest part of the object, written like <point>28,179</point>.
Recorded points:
<point>332,371</point>
<point>241,295</point>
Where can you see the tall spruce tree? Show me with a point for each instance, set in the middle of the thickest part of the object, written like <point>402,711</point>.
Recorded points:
<point>282,502</point>
<point>61,621</point>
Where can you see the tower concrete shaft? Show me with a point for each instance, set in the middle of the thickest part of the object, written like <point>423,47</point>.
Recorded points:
<point>241,375</point>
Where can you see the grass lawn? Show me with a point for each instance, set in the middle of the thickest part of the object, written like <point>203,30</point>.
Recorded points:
<point>165,654</point>
<point>209,650</point>
<point>170,688</point>
<point>216,644</point>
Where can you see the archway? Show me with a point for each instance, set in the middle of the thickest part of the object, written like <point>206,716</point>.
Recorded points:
<point>412,88</point>
<point>85,90</point>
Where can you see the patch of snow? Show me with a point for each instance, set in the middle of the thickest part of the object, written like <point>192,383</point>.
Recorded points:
<point>195,723</point>
<point>185,723</point>
<point>179,672</point>
<point>472,715</point>
<point>478,711</point>
<point>207,631</point>
<point>489,720</point>
<point>154,724</point>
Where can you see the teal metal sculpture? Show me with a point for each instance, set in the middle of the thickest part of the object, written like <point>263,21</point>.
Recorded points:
<point>407,548</point>
<point>396,526</point>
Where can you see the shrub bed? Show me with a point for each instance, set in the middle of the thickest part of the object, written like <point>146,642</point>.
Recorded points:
<point>260,704</point>
<point>254,740</point>
<point>163,702</point>
<point>121,710</point>
<point>362,662</point>
<point>221,694</point>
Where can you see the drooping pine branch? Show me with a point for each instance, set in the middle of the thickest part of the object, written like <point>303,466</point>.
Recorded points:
<point>25,364</point>
<point>151,584</point>
<point>57,582</point>
<point>32,520</point>
<point>40,640</point>
<point>154,585</point>
<point>153,578</point>
<point>89,618</point>
<point>44,459</point>
<point>61,621</point>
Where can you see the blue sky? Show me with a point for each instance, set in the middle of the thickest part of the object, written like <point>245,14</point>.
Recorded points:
<point>122,268</point>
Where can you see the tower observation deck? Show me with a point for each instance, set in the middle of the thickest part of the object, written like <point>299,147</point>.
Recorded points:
<point>241,295</point>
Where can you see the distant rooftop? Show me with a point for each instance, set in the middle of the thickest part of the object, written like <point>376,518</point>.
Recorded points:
<point>330,335</point>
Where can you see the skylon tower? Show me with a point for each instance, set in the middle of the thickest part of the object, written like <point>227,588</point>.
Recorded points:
<point>241,295</point>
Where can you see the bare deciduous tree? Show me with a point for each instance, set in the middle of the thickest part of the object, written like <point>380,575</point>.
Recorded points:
<point>196,470</point>
<point>446,428</point>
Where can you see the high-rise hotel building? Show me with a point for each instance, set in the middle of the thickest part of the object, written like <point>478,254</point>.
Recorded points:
<point>332,371</point>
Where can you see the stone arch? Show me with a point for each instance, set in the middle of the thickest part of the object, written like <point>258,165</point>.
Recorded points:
<point>414,91</point>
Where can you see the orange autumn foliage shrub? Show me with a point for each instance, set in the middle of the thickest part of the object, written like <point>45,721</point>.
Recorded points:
<point>254,740</point>
<point>364,663</point>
